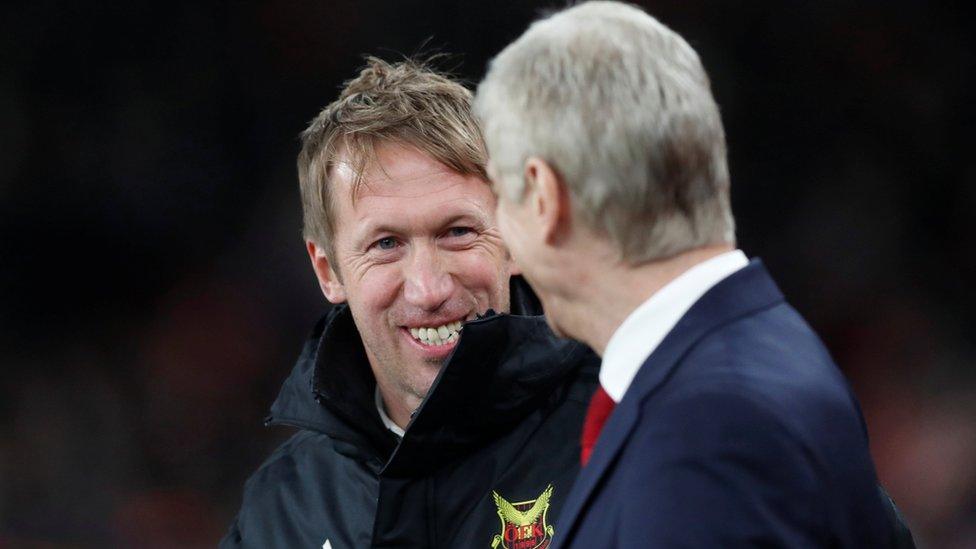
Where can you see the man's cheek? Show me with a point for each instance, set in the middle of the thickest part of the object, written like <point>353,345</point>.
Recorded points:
<point>380,288</point>
<point>492,250</point>
<point>485,268</point>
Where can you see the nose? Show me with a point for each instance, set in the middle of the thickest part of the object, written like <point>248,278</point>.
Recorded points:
<point>428,282</point>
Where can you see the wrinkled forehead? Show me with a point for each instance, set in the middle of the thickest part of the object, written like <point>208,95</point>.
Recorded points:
<point>350,164</point>
<point>401,179</point>
<point>363,163</point>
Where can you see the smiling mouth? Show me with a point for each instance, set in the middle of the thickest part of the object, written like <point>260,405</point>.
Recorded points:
<point>437,335</point>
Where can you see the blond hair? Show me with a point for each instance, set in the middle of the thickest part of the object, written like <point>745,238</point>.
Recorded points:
<point>406,102</point>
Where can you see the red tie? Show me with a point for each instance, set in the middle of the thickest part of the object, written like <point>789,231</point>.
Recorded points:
<point>601,406</point>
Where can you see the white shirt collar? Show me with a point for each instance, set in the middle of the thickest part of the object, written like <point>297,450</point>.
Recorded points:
<point>386,419</point>
<point>644,329</point>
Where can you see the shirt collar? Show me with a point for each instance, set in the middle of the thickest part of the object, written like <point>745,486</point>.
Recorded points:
<point>644,329</point>
<point>393,427</point>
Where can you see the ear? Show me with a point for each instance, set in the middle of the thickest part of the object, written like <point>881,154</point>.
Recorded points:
<point>548,199</point>
<point>332,287</point>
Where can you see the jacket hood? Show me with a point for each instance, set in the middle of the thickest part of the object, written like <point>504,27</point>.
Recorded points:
<point>503,367</point>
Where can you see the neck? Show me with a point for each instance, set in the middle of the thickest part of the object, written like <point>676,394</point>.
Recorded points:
<point>398,405</point>
<point>609,294</point>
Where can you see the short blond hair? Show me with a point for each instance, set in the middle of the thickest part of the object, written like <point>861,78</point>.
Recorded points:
<point>406,102</point>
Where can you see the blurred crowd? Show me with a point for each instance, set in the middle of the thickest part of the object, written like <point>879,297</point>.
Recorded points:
<point>154,288</point>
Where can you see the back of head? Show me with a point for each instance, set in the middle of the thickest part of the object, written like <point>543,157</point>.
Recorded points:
<point>407,103</point>
<point>621,107</point>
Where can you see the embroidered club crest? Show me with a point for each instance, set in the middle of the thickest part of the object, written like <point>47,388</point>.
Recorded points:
<point>524,523</point>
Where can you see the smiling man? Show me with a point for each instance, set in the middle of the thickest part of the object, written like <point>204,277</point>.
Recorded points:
<point>434,406</point>
<point>416,254</point>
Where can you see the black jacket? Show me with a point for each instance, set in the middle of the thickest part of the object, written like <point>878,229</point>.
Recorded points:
<point>487,460</point>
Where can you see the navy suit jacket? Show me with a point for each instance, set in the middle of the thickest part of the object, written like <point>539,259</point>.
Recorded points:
<point>737,431</point>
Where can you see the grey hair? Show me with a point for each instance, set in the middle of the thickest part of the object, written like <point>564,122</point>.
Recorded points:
<point>620,106</point>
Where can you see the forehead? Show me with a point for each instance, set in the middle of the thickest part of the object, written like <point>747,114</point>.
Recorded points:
<point>404,184</point>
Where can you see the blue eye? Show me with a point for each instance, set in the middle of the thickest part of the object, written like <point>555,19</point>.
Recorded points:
<point>387,243</point>
<point>458,231</point>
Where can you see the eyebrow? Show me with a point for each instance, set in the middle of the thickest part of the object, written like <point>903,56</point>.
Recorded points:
<point>366,236</point>
<point>468,218</point>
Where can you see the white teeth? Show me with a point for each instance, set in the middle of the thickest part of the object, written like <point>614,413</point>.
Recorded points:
<point>447,333</point>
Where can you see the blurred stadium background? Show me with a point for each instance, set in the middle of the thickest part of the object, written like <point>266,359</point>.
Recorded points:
<point>154,289</point>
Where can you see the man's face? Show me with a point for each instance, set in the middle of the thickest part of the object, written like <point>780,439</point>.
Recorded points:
<point>417,252</point>
<point>514,226</point>
<point>520,225</point>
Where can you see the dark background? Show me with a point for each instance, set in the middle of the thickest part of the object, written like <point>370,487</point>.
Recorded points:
<point>154,288</point>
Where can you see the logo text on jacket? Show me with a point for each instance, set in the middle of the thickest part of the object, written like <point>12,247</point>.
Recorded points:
<point>524,523</point>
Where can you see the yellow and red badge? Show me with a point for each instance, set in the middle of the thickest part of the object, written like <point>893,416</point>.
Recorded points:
<point>523,523</point>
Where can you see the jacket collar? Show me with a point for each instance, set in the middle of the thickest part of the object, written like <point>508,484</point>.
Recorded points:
<point>341,408</point>
<point>745,292</point>
<point>503,367</point>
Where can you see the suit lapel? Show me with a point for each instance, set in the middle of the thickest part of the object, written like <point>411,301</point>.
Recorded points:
<point>744,292</point>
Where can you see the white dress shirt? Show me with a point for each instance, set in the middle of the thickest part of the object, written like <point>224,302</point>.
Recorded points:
<point>644,329</point>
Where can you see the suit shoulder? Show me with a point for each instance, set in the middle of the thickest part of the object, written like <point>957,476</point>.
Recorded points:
<point>728,431</point>
<point>772,357</point>
<point>717,405</point>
